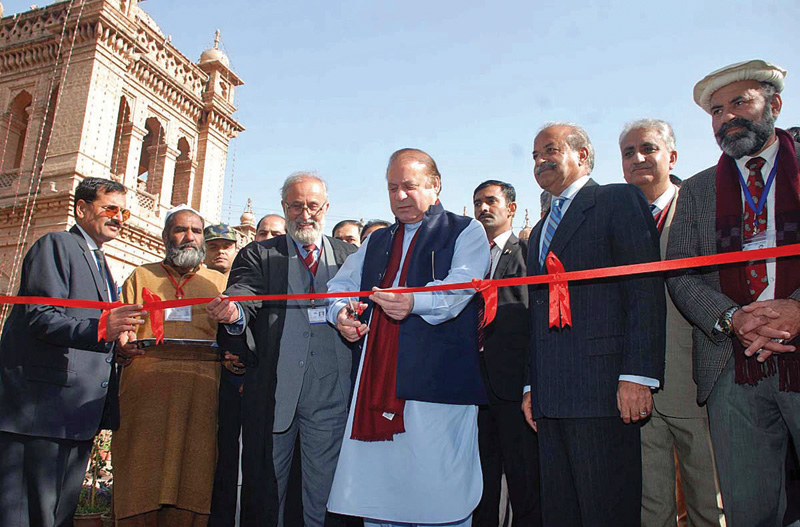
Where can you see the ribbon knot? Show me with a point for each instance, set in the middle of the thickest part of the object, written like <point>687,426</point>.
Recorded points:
<point>560,313</point>
<point>488,291</point>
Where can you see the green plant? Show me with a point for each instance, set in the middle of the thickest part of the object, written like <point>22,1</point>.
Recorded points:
<point>97,487</point>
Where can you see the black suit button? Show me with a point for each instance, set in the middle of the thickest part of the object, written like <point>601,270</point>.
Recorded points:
<point>306,334</point>
<point>104,384</point>
<point>539,302</point>
<point>302,363</point>
<point>109,359</point>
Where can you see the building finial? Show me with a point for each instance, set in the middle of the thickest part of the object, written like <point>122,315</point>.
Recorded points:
<point>216,39</point>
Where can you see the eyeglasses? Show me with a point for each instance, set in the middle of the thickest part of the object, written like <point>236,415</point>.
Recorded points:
<point>297,208</point>
<point>111,211</point>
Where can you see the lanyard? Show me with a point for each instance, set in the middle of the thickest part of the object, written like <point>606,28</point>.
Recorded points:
<point>749,197</point>
<point>178,287</point>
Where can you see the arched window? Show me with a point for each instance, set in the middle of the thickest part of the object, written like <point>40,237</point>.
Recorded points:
<point>151,162</point>
<point>18,116</point>
<point>122,140</point>
<point>181,189</point>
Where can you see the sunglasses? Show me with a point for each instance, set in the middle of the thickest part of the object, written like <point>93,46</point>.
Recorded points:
<point>111,211</point>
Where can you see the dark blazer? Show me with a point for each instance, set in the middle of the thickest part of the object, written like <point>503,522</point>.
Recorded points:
<point>55,377</point>
<point>262,268</point>
<point>618,324</point>
<point>506,338</point>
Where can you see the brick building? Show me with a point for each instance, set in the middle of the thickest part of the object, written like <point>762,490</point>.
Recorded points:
<point>95,88</point>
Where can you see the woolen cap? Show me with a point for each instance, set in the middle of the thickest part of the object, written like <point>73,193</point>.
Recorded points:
<point>755,70</point>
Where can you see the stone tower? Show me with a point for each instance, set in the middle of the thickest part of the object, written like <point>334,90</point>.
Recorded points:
<point>98,90</point>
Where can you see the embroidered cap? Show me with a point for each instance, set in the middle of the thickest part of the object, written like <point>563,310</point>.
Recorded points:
<point>755,70</point>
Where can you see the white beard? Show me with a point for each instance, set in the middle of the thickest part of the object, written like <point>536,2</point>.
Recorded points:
<point>306,236</point>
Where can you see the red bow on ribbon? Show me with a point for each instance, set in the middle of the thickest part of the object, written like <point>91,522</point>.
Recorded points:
<point>488,290</point>
<point>560,313</point>
<point>102,324</point>
<point>156,315</point>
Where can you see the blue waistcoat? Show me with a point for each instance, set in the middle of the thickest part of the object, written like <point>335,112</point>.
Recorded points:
<point>437,364</point>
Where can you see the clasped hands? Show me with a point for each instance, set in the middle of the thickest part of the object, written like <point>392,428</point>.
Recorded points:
<point>396,306</point>
<point>762,327</point>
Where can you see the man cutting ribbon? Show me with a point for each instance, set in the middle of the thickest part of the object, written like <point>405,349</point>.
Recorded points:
<point>410,450</point>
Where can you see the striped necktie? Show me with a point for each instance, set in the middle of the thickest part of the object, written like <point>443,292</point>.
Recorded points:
<point>312,262</point>
<point>550,228</point>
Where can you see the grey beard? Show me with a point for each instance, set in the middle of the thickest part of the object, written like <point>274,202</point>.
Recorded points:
<point>186,257</point>
<point>748,141</point>
<point>306,236</point>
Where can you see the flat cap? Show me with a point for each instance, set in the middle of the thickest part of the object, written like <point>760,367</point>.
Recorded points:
<point>755,70</point>
<point>219,232</point>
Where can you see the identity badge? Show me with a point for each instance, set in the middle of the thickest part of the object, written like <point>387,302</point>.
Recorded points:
<point>762,240</point>
<point>178,314</point>
<point>316,315</point>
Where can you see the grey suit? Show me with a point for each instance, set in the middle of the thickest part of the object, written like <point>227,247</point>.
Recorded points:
<point>679,424</point>
<point>57,384</point>
<point>303,372</point>
<point>748,424</point>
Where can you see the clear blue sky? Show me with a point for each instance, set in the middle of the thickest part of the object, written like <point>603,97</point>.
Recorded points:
<point>337,86</point>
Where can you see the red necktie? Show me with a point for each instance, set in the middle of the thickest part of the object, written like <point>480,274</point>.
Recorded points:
<point>753,225</point>
<point>310,258</point>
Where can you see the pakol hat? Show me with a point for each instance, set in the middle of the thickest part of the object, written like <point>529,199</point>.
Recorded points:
<point>219,232</point>
<point>751,70</point>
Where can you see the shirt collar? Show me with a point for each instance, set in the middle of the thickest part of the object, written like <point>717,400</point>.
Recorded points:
<point>664,199</point>
<point>302,250</point>
<point>501,239</point>
<point>769,155</point>
<point>574,188</point>
<point>89,240</point>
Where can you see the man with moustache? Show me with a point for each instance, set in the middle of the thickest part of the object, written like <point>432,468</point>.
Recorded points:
<point>410,450</point>
<point>678,426</point>
<point>270,226</point>
<point>58,383</point>
<point>304,366</point>
<point>507,444</point>
<point>220,247</point>
<point>591,379</point>
<point>165,449</point>
<point>348,231</point>
<point>746,317</point>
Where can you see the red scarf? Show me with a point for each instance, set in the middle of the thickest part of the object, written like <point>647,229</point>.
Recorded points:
<point>377,393</point>
<point>729,239</point>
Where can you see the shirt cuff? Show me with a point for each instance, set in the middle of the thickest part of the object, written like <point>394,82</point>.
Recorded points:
<point>526,389</point>
<point>423,304</point>
<point>644,381</point>
<point>333,310</point>
<point>236,328</point>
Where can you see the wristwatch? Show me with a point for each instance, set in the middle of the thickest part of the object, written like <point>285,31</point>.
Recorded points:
<point>725,323</point>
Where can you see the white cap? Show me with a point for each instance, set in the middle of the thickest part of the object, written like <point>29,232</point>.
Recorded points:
<point>181,208</point>
<point>755,70</point>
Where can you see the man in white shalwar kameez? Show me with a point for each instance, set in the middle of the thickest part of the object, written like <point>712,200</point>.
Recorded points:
<point>424,468</point>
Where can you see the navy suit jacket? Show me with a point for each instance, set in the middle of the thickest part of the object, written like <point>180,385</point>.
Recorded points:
<point>618,324</point>
<point>55,376</point>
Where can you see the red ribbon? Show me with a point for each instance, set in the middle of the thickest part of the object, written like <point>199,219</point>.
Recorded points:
<point>156,314</point>
<point>560,313</point>
<point>488,290</point>
<point>561,277</point>
<point>102,324</point>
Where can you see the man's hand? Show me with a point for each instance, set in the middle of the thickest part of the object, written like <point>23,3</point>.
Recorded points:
<point>123,318</point>
<point>351,328</point>
<point>395,305</point>
<point>222,310</point>
<point>126,347</point>
<point>782,324</point>
<point>527,410</point>
<point>635,401</point>
<point>233,363</point>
